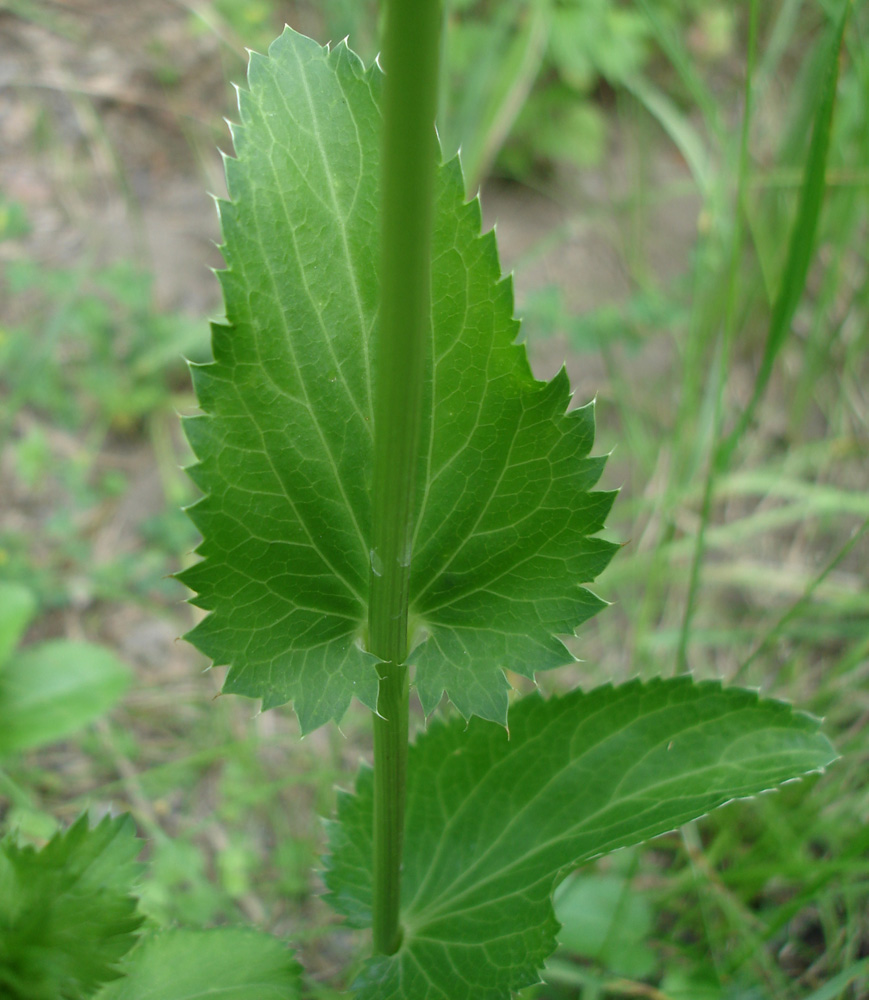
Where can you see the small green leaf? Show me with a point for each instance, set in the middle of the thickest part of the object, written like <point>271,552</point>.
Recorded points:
<point>229,963</point>
<point>66,913</point>
<point>504,514</point>
<point>49,690</point>
<point>495,819</point>
<point>604,918</point>
<point>17,607</point>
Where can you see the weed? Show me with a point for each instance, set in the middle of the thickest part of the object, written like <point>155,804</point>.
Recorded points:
<point>89,359</point>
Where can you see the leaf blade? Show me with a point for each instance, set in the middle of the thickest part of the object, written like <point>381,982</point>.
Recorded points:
<point>285,438</point>
<point>54,688</point>
<point>492,822</point>
<point>504,508</point>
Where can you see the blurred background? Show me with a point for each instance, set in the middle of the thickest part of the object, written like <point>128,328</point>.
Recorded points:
<point>681,190</point>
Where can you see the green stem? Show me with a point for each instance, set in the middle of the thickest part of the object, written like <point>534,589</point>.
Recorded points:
<point>410,60</point>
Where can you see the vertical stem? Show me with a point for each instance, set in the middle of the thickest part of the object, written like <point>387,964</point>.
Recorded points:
<point>410,61</point>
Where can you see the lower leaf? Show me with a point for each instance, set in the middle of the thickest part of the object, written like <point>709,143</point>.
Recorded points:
<point>227,962</point>
<point>495,819</point>
<point>67,913</point>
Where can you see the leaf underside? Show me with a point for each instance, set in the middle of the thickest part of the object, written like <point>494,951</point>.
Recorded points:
<point>495,820</point>
<point>504,513</point>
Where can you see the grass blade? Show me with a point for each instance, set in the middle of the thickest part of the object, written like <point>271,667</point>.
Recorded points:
<point>802,241</point>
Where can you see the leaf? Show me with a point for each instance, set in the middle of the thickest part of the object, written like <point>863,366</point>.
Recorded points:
<point>495,819</point>
<point>66,913</point>
<point>604,918</point>
<point>49,690</point>
<point>232,963</point>
<point>284,446</point>
<point>17,607</point>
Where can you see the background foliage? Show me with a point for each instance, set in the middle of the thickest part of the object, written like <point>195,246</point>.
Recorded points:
<point>607,136</point>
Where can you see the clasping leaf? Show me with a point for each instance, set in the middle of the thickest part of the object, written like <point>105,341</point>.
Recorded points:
<point>505,517</point>
<point>494,822</point>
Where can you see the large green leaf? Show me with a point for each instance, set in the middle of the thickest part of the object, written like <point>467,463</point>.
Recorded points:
<point>231,963</point>
<point>66,912</point>
<point>495,819</point>
<point>51,689</point>
<point>504,517</point>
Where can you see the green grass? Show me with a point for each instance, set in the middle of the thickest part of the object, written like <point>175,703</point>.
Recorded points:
<point>746,511</point>
<point>87,366</point>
